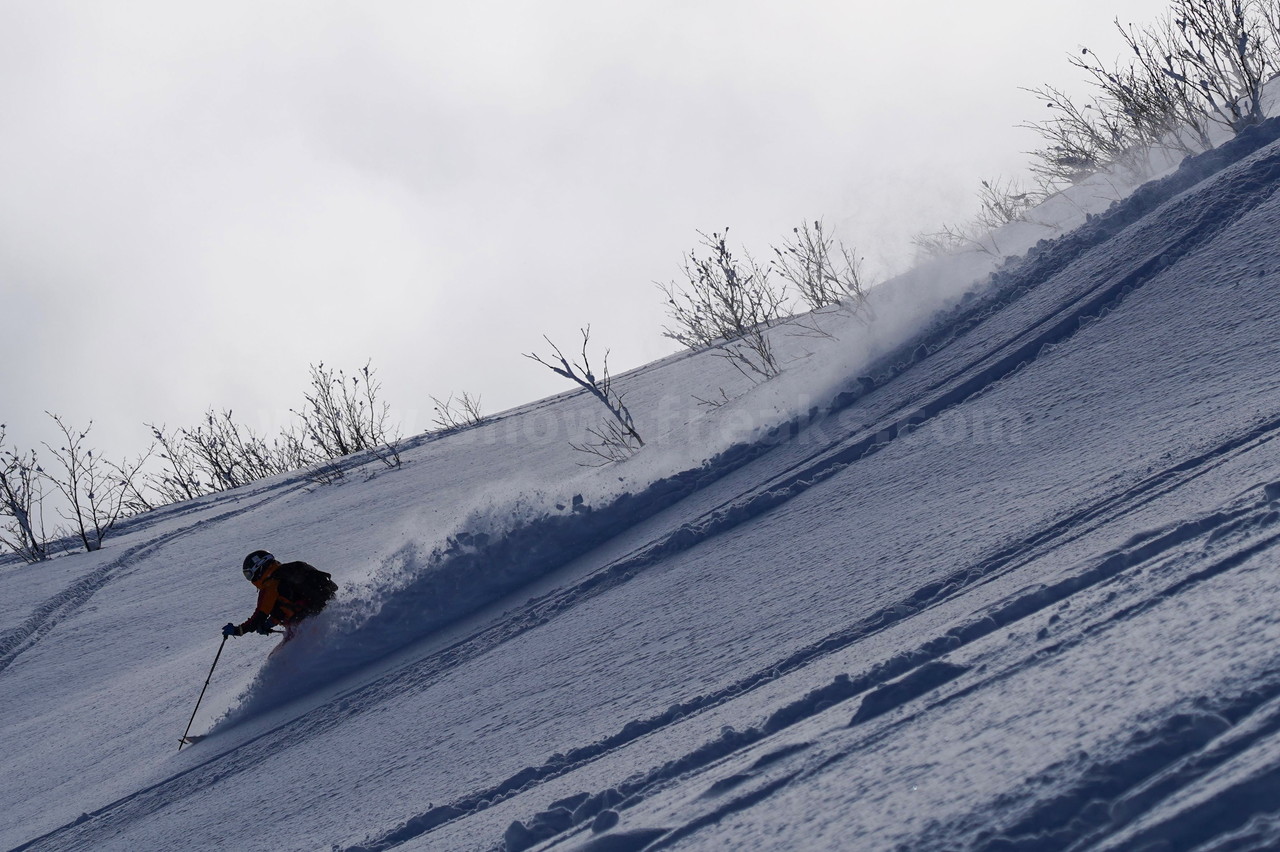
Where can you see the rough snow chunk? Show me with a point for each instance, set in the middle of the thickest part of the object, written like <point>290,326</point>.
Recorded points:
<point>892,695</point>
<point>606,820</point>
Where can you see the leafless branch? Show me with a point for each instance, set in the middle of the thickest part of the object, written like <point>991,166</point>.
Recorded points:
<point>22,502</point>
<point>823,271</point>
<point>727,304</point>
<point>344,415</point>
<point>617,438</point>
<point>1204,63</point>
<point>96,490</point>
<point>461,412</point>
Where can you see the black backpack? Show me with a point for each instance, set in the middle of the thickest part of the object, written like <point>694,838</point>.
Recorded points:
<point>302,582</point>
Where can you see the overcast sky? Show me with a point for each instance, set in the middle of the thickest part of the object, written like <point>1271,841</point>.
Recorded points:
<point>198,200</point>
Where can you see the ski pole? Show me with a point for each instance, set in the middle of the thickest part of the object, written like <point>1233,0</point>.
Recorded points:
<point>183,741</point>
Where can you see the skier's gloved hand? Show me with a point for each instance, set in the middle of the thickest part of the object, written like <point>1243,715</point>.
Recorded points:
<point>265,627</point>
<point>231,630</point>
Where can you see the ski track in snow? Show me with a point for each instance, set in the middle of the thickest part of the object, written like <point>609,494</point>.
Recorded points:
<point>1154,764</point>
<point>912,674</point>
<point>1158,763</point>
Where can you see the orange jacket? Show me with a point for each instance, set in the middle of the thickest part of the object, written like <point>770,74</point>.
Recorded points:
<point>273,607</point>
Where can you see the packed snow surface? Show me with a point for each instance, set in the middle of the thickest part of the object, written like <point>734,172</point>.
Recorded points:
<point>990,566</point>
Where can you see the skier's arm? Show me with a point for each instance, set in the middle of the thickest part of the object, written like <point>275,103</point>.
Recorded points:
<point>267,597</point>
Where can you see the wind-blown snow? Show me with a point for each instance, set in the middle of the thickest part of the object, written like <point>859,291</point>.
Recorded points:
<point>991,567</point>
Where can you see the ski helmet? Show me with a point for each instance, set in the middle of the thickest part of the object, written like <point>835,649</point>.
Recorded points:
<point>255,562</point>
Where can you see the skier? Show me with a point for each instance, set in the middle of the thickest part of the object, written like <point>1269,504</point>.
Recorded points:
<point>287,593</point>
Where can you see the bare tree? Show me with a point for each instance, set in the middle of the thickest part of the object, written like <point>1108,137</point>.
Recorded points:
<point>617,438</point>
<point>1004,201</point>
<point>343,415</point>
<point>180,479</point>
<point>1001,202</point>
<point>22,502</point>
<point>1153,107</point>
<point>461,412</point>
<point>1223,51</point>
<point>823,271</point>
<point>1080,139</point>
<point>96,490</point>
<point>727,303</point>
<point>954,238</point>
<point>226,453</point>
<point>290,450</point>
<point>214,450</point>
<point>1269,12</point>
<point>1204,63</point>
<point>137,498</point>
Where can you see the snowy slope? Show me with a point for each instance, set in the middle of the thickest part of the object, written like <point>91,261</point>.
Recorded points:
<point>1002,579</point>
